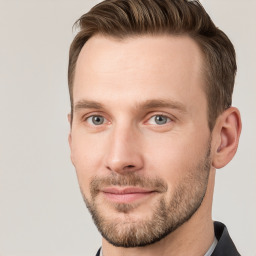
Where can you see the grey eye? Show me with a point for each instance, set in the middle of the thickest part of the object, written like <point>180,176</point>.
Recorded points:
<point>161,119</point>
<point>96,120</point>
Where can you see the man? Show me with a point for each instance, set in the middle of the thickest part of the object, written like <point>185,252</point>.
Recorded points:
<point>151,85</point>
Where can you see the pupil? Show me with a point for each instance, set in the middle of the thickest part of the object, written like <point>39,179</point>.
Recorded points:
<point>160,119</point>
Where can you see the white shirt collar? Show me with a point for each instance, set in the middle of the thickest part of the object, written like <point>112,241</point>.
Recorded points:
<point>211,249</point>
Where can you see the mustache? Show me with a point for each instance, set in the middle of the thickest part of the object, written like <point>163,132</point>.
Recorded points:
<point>131,179</point>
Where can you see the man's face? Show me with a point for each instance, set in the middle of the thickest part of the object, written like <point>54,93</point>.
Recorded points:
<point>140,140</point>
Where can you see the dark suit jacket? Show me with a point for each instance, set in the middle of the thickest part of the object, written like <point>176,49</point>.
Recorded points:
<point>225,245</point>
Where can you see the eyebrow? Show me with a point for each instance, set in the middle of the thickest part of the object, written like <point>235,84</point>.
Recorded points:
<point>162,103</point>
<point>148,104</point>
<point>87,104</point>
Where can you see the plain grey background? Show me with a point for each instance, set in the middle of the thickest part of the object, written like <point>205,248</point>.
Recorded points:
<point>41,210</point>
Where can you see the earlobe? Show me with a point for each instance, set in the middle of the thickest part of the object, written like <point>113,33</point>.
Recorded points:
<point>227,133</point>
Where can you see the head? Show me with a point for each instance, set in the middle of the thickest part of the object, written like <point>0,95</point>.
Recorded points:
<point>124,19</point>
<point>150,85</point>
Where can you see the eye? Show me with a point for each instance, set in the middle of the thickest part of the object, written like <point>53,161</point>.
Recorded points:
<point>96,120</point>
<point>159,120</point>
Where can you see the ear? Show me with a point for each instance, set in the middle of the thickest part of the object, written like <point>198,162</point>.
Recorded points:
<point>226,137</point>
<point>69,135</point>
<point>69,118</point>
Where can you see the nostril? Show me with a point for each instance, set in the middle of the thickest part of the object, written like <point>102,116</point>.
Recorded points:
<point>129,167</point>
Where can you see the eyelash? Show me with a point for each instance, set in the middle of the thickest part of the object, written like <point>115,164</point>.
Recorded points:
<point>99,116</point>
<point>160,115</point>
<point>171,119</point>
<point>91,115</point>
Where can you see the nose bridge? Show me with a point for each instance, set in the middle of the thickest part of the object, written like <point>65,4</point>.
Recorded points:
<point>124,149</point>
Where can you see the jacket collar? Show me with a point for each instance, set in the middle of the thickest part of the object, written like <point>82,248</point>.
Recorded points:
<point>225,246</point>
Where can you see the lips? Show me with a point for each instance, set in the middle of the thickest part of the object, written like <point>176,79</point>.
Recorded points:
<point>129,190</point>
<point>126,195</point>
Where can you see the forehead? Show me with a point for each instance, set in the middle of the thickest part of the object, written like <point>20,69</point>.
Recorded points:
<point>109,69</point>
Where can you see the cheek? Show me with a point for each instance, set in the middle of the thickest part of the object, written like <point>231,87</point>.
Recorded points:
<point>173,157</point>
<point>87,156</point>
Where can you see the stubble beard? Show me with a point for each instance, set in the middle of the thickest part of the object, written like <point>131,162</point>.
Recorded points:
<point>166,216</point>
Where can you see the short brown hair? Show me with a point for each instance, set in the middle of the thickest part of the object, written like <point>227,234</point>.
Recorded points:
<point>124,18</point>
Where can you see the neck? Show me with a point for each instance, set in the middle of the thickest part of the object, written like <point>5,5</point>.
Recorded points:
<point>194,236</point>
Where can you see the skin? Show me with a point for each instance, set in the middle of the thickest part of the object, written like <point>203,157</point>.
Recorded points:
<point>121,77</point>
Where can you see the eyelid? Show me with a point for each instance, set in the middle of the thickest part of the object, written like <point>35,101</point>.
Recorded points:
<point>91,122</point>
<point>168,120</point>
<point>147,118</point>
<point>153,114</point>
<point>93,113</point>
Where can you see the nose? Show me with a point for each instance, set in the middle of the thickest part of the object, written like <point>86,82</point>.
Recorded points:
<point>124,151</point>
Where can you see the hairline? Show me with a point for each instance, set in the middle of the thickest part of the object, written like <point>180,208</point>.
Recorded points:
<point>204,69</point>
